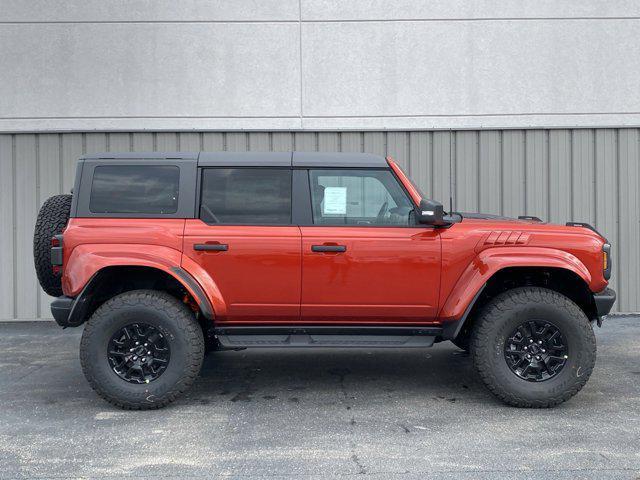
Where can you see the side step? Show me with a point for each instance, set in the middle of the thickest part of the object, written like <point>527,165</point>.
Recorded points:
<point>321,336</point>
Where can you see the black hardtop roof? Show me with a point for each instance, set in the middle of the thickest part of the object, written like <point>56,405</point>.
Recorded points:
<point>254,159</point>
<point>140,156</point>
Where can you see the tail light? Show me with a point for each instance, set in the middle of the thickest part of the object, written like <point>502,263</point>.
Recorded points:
<point>56,254</point>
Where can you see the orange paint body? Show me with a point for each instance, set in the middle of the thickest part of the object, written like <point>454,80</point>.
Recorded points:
<point>417,275</point>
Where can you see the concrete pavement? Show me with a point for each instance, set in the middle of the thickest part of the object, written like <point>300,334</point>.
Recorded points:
<point>381,414</point>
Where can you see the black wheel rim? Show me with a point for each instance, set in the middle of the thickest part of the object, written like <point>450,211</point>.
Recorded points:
<point>138,353</point>
<point>536,351</point>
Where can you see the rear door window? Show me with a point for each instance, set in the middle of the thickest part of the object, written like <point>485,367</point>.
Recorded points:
<point>144,189</point>
<point>246,196</point>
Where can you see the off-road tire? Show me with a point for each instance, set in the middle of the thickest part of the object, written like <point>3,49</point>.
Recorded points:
<point>52,218</point>
<point>501,316</point>
<point>162,311</point>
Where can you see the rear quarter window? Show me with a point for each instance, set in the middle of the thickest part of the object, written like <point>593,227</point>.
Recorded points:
<point>145,189</point>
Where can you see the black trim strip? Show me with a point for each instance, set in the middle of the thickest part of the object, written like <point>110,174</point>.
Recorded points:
<point>452,329</point>
<point>78,313</point>
<point>203,301</point>
<point>327,330</point>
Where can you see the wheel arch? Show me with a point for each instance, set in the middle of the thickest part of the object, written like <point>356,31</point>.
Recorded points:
<point>113,280</point>
<point>562,280</point>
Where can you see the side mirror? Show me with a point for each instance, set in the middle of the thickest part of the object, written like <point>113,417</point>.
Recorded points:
<point>431,213</point>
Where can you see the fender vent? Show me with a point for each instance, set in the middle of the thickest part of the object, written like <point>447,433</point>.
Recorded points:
<point>499,238</point>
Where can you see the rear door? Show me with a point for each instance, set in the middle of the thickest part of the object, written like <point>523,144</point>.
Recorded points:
<point>364,259</point>
<point>246,242</point>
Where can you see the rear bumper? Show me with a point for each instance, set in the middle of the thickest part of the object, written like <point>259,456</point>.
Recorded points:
<point>61,309</point>
<point>604,301</point>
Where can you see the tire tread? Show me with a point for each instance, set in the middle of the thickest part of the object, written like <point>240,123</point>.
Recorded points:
<point>184,322</point>
<point>52,219</point>
<point>503,304</point>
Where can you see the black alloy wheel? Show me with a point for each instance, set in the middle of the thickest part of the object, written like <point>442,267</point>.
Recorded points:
<point>536,351</point>
<point>138,353</point>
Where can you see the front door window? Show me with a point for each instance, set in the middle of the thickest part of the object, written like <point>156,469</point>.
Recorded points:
<point>358,197</point>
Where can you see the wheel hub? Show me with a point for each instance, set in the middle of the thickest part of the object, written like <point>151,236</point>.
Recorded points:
<point>536,351</point>
<point>138,353</point>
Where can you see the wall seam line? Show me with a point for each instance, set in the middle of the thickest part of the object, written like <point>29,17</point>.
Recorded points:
<point>37,284</point>
<point>301,74</point>
<point>14,176</point>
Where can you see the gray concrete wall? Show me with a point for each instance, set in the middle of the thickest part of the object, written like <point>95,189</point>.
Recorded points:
<point>587,175</point>
<point>85,76</point>
<point>317,64</point>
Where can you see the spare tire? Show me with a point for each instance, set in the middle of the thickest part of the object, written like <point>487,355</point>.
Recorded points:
<point>52,218</point>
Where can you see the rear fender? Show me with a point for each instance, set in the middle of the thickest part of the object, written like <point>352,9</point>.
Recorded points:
<point>88,259</point>
<point>208,284</point>
<point>490,261</point>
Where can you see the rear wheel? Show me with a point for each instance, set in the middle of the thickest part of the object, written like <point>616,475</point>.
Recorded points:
<point>52,218</point>
<point>533,347</point>
<point>141,349</point>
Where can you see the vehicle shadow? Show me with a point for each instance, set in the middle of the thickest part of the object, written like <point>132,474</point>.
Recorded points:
<point>317,375</point>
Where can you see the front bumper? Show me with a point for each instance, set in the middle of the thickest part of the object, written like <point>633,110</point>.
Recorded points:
<point>604,301</point>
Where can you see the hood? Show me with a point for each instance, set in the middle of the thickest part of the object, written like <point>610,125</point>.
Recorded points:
<point>530,220</point>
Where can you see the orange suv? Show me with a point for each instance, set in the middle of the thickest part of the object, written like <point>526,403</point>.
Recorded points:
<point>165,255</point>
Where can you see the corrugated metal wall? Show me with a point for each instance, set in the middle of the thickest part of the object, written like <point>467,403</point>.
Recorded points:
<point>588,175</point>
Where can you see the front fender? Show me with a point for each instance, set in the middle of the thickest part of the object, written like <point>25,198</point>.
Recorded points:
<point>490,261</point>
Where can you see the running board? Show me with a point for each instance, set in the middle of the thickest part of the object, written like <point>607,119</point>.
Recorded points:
<point>365,337</point>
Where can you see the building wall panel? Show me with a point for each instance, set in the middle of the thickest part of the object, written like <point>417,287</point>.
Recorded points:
<point>145,65</point>
<point>559,175</point>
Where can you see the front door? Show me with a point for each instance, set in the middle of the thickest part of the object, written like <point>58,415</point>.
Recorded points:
<point>245,241</point>
<point>364,260</point>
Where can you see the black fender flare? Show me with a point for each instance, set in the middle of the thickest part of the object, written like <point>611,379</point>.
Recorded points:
<point>450,330</point>
<point>73,312</point>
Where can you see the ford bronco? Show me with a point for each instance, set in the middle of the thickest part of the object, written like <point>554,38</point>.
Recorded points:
<point>165,255</point>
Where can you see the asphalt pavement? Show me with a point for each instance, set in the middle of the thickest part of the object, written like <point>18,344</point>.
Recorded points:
<point>383,414</point>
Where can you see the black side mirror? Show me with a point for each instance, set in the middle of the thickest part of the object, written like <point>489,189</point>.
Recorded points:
<point>431,213</point>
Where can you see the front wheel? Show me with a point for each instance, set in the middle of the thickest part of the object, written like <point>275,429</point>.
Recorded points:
<point>141,349</point>
<point>533,347</point>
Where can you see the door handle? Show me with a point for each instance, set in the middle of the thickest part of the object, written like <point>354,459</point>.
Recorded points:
<point>211,247</point>
<point>328,248</point>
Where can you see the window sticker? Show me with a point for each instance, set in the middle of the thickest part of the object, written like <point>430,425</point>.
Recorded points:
<point>335,201</point>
